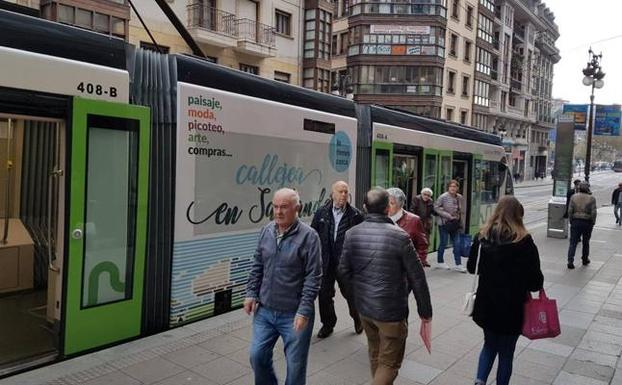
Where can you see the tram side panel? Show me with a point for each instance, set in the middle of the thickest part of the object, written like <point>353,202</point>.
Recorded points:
<point>233,153</point>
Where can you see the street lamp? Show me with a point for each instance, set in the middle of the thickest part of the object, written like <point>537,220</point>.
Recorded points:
<point>593,76</point>
<point>343,86</point>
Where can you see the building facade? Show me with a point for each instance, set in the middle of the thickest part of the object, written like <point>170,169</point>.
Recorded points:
<point>460,61</point>
<point>515,100</point>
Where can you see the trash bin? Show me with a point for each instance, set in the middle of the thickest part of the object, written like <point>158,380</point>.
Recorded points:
<point>557,225</point>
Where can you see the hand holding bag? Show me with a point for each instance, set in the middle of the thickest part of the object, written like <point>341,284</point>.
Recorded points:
<point>541,317</point>
<point>469,298</point>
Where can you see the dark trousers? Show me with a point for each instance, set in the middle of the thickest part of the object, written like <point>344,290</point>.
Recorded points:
<point>495,344</point>
<point>580,229</point>
<point>327,293</point>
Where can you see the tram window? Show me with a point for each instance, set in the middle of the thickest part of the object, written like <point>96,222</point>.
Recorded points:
<point>491,182</point>
<point>382,168</point>
<point>429,173</point>
<point>317,126</point>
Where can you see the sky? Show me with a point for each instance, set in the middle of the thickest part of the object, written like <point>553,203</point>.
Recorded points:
<point>595,23</point>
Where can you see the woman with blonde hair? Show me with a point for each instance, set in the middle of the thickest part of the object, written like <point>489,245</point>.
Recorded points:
<point>509,268</point>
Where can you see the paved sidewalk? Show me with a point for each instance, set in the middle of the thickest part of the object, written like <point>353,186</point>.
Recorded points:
<point>215,351</point>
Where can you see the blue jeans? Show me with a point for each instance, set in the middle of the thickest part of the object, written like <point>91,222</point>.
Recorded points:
<point>580,229</point>
<point>455,239</point>
<point>268,325</point>
<point>497,344</point>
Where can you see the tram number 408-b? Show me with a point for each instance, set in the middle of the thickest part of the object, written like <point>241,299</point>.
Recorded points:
<point>96,89</point>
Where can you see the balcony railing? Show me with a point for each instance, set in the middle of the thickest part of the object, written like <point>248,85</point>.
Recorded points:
<point>432,7</point>
<point>516,84</point>
<point>251,30</point>
<point>213,19</point>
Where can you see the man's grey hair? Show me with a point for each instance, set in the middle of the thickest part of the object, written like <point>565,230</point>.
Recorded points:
<point>293,194</point>
<point>398,195</point>
<point>427,190</point>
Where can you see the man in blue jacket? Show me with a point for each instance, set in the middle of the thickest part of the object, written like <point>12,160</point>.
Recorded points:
<point>282,286</point>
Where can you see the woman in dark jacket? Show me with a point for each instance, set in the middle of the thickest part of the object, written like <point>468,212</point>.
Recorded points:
<point>509,268</point>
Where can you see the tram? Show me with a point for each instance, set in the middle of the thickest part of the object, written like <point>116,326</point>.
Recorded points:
<point>136,182</point>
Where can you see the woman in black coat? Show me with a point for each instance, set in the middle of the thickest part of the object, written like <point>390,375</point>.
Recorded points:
<point>509,268</point>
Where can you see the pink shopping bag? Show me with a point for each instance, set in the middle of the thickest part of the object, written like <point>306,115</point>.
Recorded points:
<point>541,317</point>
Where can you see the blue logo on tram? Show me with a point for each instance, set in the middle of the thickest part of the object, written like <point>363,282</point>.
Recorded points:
<point>340,153</point>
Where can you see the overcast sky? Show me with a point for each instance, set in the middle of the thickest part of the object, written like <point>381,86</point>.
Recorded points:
<point>581,24</point>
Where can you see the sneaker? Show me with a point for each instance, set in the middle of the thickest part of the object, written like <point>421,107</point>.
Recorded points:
<point>459,268</point>
<point>442,266</point>
<point>570,265</point>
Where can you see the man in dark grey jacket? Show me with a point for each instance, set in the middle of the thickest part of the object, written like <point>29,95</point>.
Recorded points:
<point>379,259</point>
<point>582,212</point>
<point>282,287</point>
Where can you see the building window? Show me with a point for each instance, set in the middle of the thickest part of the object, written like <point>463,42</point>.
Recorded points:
<point>469,16</point>
<point>398,80</point>
<point>249,68</point>
<point>333,46</point>
<point>479,121</point>
<point>453,45</point>
<point>344,8</point>
<point>152,47</point>
<point>344,44</point>
<point>483,61</point>
<point>84,18</point>
<point>485,28</point>
<point>308,78</point>
<point>465,85</point>
<point>467,51</point>
<point>283,22</point>
<point>463,117</point>
<point>451,82</point>
<point>309,47</point>
<point>101,23</point>
<point>488,4</point>
<point>283,77</point>
<point>449,114</point>
<point>480,94</point>
<point>117,26</point>
<point>455,9</point>
<point>512,99</point>
<point>397,40</point>
<point>65,14</point>
<point>398,7</point>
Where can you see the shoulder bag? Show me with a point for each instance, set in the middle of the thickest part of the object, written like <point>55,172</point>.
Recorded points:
<point>469,298</point>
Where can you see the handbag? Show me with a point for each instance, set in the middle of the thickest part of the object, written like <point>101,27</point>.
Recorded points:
<point>541,317</point>
<point>452,226</point>
<point>469,297</point>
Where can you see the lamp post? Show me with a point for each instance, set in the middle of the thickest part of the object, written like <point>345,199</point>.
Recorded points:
<point>593,77</point>
<point>343,86</point>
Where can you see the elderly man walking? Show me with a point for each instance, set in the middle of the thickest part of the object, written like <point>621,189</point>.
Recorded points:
<point>423,206</point>
<point>282,287</point>
<point>408,222</point>
<point>380,260</point>
<point>331,222</point>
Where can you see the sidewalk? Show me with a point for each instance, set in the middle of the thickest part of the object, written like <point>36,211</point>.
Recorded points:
<point>215,351</point>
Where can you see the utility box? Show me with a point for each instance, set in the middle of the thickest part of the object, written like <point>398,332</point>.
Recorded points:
<point>557,225</point>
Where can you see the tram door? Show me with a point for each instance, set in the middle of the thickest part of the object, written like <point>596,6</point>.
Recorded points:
<point>406,175</point>
<point>429,180</point>
<point>31,233</point>
<point>107,223</point>
<point>382,164</point>
<point>460,172</point>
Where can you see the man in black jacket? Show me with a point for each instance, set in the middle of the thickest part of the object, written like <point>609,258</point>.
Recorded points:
<point>331,222</point>
<point>382,265</point>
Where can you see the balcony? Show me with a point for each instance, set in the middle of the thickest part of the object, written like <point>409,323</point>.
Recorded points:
<point>222,29</point>
<point>256,38</point>
<point>212,26</point>
<point>516,85</point>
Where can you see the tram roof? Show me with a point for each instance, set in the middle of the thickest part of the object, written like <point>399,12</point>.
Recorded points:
<point>204,73</point>
<point>405,119</point>
<point>50,38</point>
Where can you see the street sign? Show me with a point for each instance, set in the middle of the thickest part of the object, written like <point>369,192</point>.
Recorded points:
<point>607,120</point>
<point>564,147</point>
<point>579,114</point>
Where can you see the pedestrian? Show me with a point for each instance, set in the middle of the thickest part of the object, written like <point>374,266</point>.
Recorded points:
<point>283,283</point>
<point>582,212</point>
<point>616,201</point>
<point>570,193</point>
<point>331,222</point>
<point>423,206</point>
<point>408,222</point>
<point>509,268</point>
<point>382,264</point>
<point>450,208</point>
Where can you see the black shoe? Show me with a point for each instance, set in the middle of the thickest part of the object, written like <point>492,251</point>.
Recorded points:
<point>358,326</point>
<point>586,261</point>
<point>570,265</point>
<point>324,332</point>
